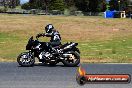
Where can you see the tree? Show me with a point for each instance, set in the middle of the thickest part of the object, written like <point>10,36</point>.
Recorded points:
<point>91,5</point>
<point>82,5</point>
<point>57,5</point>
<point>32,1</point>
<point>114,5</point>
<point>11,3</point>
<point>69,3</point>
<point>17,2</point>
<point>39,4</point>
<point>26,6</point>
<point>102,6</point>
<point>33,4</point>
<point>118,4</point>
<point>46,4</point>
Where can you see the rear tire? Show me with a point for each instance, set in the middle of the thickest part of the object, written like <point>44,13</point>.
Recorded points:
<point>24,61</point>
<point>77,57</point>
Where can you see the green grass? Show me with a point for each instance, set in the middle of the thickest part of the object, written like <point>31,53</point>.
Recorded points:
<point>117,50</point>
<point>98,39</point>
<point>9,46</point>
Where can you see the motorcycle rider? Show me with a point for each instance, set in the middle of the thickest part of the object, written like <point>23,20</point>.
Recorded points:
<point>54,34</point>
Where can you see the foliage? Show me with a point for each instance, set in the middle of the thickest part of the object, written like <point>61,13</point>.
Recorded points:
<point>12,3</point>
<point>114,5</point>
<point>118,4</point>
<point>57,5</point>
<point>3,10</point>
<point>82,5</point>
<point>25,6</point>
<point>69,3</point>
<point>91,5</point>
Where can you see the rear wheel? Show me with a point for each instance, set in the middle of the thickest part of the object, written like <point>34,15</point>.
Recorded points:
<point>25,59</point>
<point>72,60</point>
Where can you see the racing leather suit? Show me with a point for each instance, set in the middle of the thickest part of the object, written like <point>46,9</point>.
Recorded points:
<point>55,38</point>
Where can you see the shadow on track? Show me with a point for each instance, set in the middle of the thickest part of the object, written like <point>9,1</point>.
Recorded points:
<point>47,65</point>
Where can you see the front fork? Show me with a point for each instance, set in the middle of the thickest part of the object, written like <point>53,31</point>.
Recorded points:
<point>31,54</point>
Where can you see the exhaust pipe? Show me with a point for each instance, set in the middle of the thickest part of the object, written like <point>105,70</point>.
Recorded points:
<point>67,55</point>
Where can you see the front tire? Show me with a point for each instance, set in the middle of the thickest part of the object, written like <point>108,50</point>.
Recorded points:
<point>25,59</point>
<point>70,61</point>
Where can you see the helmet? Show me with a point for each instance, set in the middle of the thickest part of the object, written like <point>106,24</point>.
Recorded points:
<point>49,28</point>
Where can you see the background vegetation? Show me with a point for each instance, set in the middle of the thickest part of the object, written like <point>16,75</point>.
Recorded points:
<point>68,6</point>
<point>82,5</point>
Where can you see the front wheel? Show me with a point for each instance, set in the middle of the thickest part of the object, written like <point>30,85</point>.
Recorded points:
<point>26,59</point>
<point>72,60</point>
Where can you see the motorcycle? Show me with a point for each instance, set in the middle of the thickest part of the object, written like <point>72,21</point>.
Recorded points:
<point>68,54</point>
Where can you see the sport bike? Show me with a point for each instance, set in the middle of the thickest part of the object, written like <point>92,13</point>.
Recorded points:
<point>68,54</point>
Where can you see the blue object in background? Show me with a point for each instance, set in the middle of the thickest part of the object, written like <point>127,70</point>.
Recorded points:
<point>109,14</point>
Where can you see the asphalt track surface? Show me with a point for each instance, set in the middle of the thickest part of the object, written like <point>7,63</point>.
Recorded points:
<point>41,76</point>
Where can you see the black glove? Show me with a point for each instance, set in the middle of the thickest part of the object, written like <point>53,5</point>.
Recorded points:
<point>39,35</point>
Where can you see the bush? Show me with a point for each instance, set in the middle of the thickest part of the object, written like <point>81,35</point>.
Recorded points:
<point>70,11</point>
<point>79,13</point>
<point>3,10</point>
<point>67,12</point>
<point>56,12</point>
